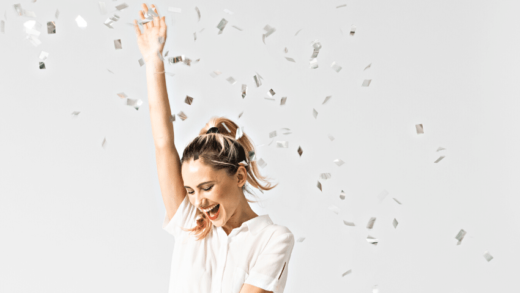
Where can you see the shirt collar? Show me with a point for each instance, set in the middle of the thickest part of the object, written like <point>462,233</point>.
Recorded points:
<point>258,223</point>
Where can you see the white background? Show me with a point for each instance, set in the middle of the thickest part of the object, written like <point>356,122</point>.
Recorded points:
<point>77,217</point>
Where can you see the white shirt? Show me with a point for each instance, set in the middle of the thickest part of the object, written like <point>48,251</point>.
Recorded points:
<point>256,253</point>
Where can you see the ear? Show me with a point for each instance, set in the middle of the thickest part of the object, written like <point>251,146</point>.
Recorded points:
<point>241,176</point>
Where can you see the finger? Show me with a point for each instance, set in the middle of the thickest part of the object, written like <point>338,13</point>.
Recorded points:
<point>163,22</point>
<point>137,30</point>
<point>155,19</point>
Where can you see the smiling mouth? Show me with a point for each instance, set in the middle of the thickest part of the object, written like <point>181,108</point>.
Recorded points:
<point>214,213</point>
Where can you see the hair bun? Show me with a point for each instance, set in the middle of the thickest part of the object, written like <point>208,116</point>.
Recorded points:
<point>212,130</point>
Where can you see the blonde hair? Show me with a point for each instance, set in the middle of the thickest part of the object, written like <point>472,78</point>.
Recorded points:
<point>221,151</point>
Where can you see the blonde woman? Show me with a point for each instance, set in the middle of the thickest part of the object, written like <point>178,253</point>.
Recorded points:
<point>221,244</point>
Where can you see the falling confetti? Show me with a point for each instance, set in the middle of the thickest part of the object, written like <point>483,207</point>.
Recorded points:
<point>352,30</point>
<point>319,185</point>
<point>51,27</point>
<point>251,155</point>
<point>121,6</point>
<point>488,256</point>
<point>331,137</point>
<point>225,126</point>
<point>371,222</point>
<point>439,159</point>
<point>261,163</point>
<point>342,195</point>
<point>228,11</point>
<point>395,223</point>
<point>300,239</point>
<point>80,21</point>
<point>134,103</point>
<point>237,27</point>
<point>397,201</point>
<point>141,62</point>
<point>215,73</point>
<point>349,223</point>
<point>300,151</point>
<point>244,90</point>
<point>290,59</point>
<point>419,128</point>
<point>282,144</point>
<point>104,143</point>
<point>198,12</point>
<point>188,100</point>
<point>366,82</point>
<point>272,134</point>
<point>182,116</point>
<point>282,101</point>
<point>221,25</point>
<point>440,149</point>
<point>42,65</point>
<point>172,118</point>
<point>327,98</point>
<point>460,236</point>
<point>346,273</point>
<point>271,92</point>
<point>240,132</point>
<point>314,113</point>
<point>372,240</point>
<point>231,80</point>
<point>313,64</point>
<point>122,95</point>
<point>338,162</point>
<point>368,66</point>
<point>382,195</point>
<point>325,176</point>
<point>43,55</point>
<point>297,32</point>
<point>335,66</point>
<point>117,44</point>
<point>343,5</point>
<point>75,114</point>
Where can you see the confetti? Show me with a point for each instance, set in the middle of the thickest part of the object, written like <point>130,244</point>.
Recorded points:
<point>75,114</point>
<point>57,13</point>
<point>285,50</point>
<point>313,64</point>
<point>290,59</point>
<point>121,6</point>
<point>286,131</point>
<point>395,223</point>
<point>334,209</point>
<point>338,162</point>
<point>342,194</point>
<point>80,21</point>
<point>366,82</point>
<point>122,95</point>
<point>319,185</point>
<point>51,27</point>
<point>244,90</point>
<point>269,30</point>
<point>397,201</point>
<point>240,115</point>
<point>419,128</point>
<point>349,223</point>
<point>283,100</point>
<point>270,99</point>
<point>44,55</point>
<point>231,80</point>
<point>271,92</point>
<point>314,113</point>
<point>352,30</point>
<point>240,132</point>
<point>104,143</point>
<point>439,159</point>
<point>261,163</point>
<point>221,25</point>
<point>188,100</point>
<point>371,222</point>
<point>237,27</point>
<point>198,12</point>
<point>331,137</point>
<point>134,103</point>
<point>141,62</point>
<point>300,151</point>
<point>172,118</point>
<point>460,236</point>
<point>325,176</point>
<point>282,144</point>
<point>300,239</point>
<point>18,9</point>
<point>343,5</point>
<point>215,73</point>
<point>372,240</point>
<point>346,273</point>
<point>257,81</point>
<point>251,155</point>
<point>177,59</point>
<point>368,66</point>
<point>297,32</point>
<point>174,9</point>
<point>272,134</point>
<point>195,36</point>
<point>111,20</point>
<point>42,65</point>
<point>102,8</point>
<point>117,44</point>
<point>382,195</point>
<point>488,256</point>
<point>440,149</point>
<point>182,116</point>
<point>327,98</point>
<point>335,66</point>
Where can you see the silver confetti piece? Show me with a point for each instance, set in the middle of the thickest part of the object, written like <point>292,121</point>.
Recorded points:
<point>215,73</point>
<point>439,159</point>
<point>141,62</point>
<point>188,100</point>
<point>335,209</point>
<point>43,55</point>
<point>251,156</point>
<point>222,24</point>
<point>297,32</point>
<point>270,99</point>
<point>259,75</point>
<point>325,176</point>
<point>440,149</point>
<point>395,223</point>
<point>338,162</point>
<point>314,113</point>
<point>331,137</point>
<point>177,59</point>
<point>290,59</point>
<point>42,65</point>
<point>231,80</point>
<point>117,44</point>
<point>315,54</point>
<point>51,27</point>
<point>269,30</point>
<point>152,13</point>
<point>286,130</point>
<point>419,128</point>
<point>240,132</point>
<point>80,21</point>
<point>122,95</point>
<point>75,114</point>
<point>244,90</point>
<point>352,30</point>
<point>240,115</point>
<point>327,98</point>
<point>488,256</point>
<point>300,239</point>
<point>368,66</point>
<point>257,81</point>
<point>237,27</point>
<point>371,222</point>
<point>349,223</point>
<point>111,20</point>
<point>335,66</point>
<point>261,163</point>
<point>102,8</point>
<point>346,273</point>
<point>285,50</point>
<point>271,93</point>
<point>225,126</point>
<point>272,134</point>
<point>134,103</point>
<point>366,82</point>
<point>282,144</point>
<point>343,5</point>
<point>283,100</point>
<point>104,144</point>
<point>342,195</point>
<point>460,236</point>
<point>372,240</point>
<point>174,9</point>
<point>35,41</point>
<point>195,36</point>
<point>396,201</point>
<point>319,185</point>
<point>18,9</point>
<point>198,12</point>
<point>182,116</point>
<point>57,13</point>
<point>382,195</point>
<point>313,64</point>
<point>121,6</point>
<point>300,151</point>
<point>172,118</point>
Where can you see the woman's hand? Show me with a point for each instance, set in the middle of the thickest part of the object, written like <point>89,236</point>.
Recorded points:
<point>152,40</point>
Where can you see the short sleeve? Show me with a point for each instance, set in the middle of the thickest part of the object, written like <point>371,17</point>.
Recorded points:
<point>185,216</point>
<point>271,268</point>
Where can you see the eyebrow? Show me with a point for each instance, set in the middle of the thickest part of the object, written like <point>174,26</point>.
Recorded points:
<point>198,186</point>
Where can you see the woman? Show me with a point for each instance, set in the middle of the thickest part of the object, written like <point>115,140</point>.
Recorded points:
<point>221,244</point>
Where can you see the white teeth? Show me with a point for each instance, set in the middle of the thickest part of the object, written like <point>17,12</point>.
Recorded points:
<point>209,209</point>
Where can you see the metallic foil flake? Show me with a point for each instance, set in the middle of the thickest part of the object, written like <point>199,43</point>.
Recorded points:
<point>42,65</point>
<point>335,66</point>
<point>372,240</point>
<point>271,92</point>
<point>371,222</point>
<point>188,100</point>
<point>134,103</point>
<point>240,115</point>
<point>141,62</point>
<point>325,176</point>
<point>269,30</point>
<point>75,114</point>
<point>319,185</point>
<point>327,98</point>
<point>419,128</point>
<point>290,59</point>
<point>331,137</point>
<point>80,21</point>
<point>117,44</point>
<point>349,223</point>
<point>314,113</point>
<point>222,25</point>
<point>43,55</point>
<point>313,64</point>
<point>396,200</point>
<point>282,144</point>
<point>342,195</point>
<point>244,90</point>
<point>343,5</point>
<point>122,95</point>
<point>215,73</point>
<point>300,239</point>
<point>283,100</point>
<point>488,256</point>
<point>272,134</point>
<point>225,126</point>
<point>270,99</point>
<point>439,159</point>
<point>261,163</point>
<point>257,81</point>
<point>172,118</point>
<point>460,236</point>
<point>300,151</point>
<point>352,30</point>
<point>440,149</point>
<point>104,144</point>
<point>182,116</point>
<point>102,8</point>
<point>297,32</point>
<point>338,162</point>
<point>346,273</point>
<point>231,80</point>
<point>368,66</point>
<point>240,132</point>
<point>198,13</point>
<point>366,82</point>
<point>177,59</point>
<point>51,27</point>
<point>395,223</point>
<point>121,6</point>
<point>57,13</point>
<point>237,27</point>
<point>251,156</point>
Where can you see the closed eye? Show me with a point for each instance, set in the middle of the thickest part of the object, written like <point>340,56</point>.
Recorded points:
<point>203,189</point>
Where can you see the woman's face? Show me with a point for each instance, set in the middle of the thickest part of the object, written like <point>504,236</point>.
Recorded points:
<point>207,188</point>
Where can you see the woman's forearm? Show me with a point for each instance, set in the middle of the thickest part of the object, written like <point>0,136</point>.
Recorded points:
<point>160,113</point>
